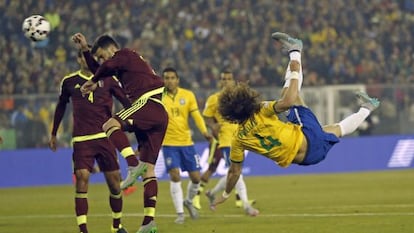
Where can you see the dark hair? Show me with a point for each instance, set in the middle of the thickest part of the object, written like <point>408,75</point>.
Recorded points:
<point>226,70</point>
<point>238,103</point>
<point>170,69</point>
<point>103,42</point>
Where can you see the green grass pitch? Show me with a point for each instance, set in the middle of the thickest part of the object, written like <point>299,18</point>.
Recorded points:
<point>369,202</point>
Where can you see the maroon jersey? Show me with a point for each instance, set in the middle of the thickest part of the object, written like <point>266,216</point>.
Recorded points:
<point>136,75</point>
<point>90,112</point>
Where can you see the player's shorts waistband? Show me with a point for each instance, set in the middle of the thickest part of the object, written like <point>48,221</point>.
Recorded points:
<point>88,137</point>
<point>140,102</point>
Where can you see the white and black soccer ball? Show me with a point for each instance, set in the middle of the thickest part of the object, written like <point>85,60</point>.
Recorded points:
<point>36,27</point>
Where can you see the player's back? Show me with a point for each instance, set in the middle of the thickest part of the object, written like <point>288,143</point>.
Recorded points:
<point>135,74</point>
<point>90,112</point>
<point>267,135</point>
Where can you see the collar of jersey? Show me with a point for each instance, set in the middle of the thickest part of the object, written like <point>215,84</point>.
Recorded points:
<point>84,76</point>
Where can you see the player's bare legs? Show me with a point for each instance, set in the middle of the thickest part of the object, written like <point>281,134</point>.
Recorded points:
<point>115,134</point>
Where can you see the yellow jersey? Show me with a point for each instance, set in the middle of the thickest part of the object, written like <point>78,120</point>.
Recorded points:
<point>179,107</point>
<point>227,129</point>
<point>265,134</point>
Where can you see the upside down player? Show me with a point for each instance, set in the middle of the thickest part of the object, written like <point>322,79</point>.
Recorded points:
<point>144,89</point>
<point>223,132</point>
<point>302,140</point>
<point>89,141</point>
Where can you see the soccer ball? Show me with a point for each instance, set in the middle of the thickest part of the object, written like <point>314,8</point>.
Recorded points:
<point>36,27</point>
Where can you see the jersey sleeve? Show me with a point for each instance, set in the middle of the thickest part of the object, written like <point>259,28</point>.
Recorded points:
<point>236,151</point>
<point>118,92</point>
<point>267,108</point>
<point>195,113</point>
<point>60,108</point>
<point>110,66</point>
<point>210,106</point>
<point>93,65</point>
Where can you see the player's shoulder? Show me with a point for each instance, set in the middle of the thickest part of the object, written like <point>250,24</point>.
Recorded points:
<point>70,76</point>
<point>185,91</point>
<point>213,97</point>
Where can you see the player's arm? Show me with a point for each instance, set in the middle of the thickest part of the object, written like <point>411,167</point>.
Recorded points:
<point>198,119</point>
<point>110,66</point>
<point>119,93</point>
<point>234,172</point>
<point>233,175</point>
<point>58,116</point>
<point>213,125</point>
<point>93,65</point>
<point>80,41</point>
<point>291,94</point>
<point>209,110</point>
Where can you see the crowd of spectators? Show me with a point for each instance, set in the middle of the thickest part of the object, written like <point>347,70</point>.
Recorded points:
<point>346,42</point>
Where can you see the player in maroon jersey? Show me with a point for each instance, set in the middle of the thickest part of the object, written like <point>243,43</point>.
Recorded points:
<point>90,143</point>
<point>146,117</point>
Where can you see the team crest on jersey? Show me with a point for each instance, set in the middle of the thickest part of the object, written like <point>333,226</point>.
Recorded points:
<point>182,101</point>
<point>77,86</point>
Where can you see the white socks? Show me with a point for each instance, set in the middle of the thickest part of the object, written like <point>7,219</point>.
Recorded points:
<point>192,190</point>
<point>242,191</point>
<point>177,196</point>
<point>351,123</point>
<point>220,186</point>
<point>295,55</point>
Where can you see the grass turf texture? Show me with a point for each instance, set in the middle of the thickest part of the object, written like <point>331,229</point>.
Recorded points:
<point>376,202</point>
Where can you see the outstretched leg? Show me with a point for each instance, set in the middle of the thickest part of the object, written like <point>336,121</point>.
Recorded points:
<point>351,123</point>
<point>294,47</point>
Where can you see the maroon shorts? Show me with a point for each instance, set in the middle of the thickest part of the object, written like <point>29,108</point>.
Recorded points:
<point>100,150</point>
<point>150,124</point>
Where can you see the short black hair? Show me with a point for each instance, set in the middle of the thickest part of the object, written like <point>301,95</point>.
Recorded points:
<point>170,69</point>
<point>226,70</point>
<point>103,42</point>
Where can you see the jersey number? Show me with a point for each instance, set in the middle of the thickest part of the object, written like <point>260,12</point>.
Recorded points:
<point>175,112</point>
<point>90,97</point>
<point>268,142</point>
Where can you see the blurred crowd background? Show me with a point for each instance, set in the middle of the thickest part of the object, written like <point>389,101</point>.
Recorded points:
<point>367,42</point>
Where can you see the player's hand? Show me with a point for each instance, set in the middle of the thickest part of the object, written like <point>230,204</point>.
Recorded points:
<point>88,87</point>
<point>220,199</point>
<point>208,136</point>
<point>80,41</point>
<point>53,143</point>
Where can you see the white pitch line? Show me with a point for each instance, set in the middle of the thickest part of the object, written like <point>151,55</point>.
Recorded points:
<point>298,215</point>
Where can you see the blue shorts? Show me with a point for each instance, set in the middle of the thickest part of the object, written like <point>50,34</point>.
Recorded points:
<point>319,142</point>
<point>184,157</point>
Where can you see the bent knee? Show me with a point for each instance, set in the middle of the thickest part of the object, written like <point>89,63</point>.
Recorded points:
<point>111,123</point>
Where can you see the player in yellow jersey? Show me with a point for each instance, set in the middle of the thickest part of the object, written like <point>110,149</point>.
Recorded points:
<point>301,140</point>
<point>223,131</point>
<point>178,146</point>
